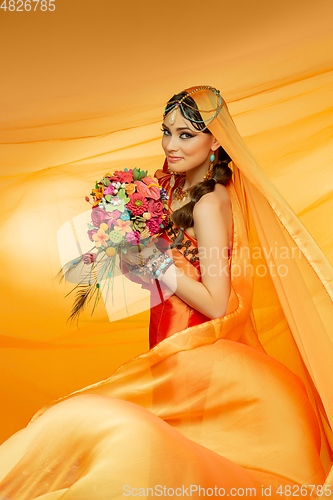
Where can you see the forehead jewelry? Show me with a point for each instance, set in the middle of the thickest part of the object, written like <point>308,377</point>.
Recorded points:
<point>174,105</point>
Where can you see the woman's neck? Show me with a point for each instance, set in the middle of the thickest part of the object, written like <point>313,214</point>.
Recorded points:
<point>195,175</point>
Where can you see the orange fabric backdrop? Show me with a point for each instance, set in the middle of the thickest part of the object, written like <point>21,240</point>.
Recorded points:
<point>83,90</point>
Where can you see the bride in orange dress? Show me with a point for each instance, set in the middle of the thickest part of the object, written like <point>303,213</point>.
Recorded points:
<point>233,398</point>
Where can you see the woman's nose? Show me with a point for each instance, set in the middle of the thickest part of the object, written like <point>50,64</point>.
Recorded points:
<point>172,143</point>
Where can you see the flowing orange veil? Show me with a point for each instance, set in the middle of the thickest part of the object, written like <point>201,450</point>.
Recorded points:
<point>289,309</point>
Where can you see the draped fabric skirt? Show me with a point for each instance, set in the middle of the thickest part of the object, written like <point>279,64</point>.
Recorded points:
<point>254,428</point>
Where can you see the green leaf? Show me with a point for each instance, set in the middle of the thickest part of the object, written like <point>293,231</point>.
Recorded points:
<point>105,181</point>
<point>136,174</point>
<point>122,195</point>
<point>110,207</point>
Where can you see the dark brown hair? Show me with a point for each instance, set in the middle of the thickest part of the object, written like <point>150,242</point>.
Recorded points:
<point>183,217</point>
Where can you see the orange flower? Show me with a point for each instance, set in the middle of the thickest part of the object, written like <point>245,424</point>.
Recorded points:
<point>98,194</point>
<point>123,226</point>
<point>130,189</point>
<point>100,238</point>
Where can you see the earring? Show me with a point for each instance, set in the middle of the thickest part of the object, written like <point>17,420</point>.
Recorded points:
<point>173,177</point>
<point>209,173</point>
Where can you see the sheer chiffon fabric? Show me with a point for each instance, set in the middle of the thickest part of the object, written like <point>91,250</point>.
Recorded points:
<point>241,401</point>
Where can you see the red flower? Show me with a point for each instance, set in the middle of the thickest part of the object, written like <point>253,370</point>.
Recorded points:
<point>148,188</point>
<point>120,176</point>
<point>155,208</point>
<point>88,258</point>
<point>154,225</point>
<point>137,204</point>
<point>98,215</point>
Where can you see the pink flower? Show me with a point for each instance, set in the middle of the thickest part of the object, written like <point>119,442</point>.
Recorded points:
<point>98,215</point>
<point>155,207</point>
<point>133,237</point>
<point>153,225</point>
<point>137,204</point>
<point>114,216</point>
<point>91,232</point>
<point>109,190</point>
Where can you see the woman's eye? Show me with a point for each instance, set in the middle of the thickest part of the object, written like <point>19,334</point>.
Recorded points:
<point>184,135</point>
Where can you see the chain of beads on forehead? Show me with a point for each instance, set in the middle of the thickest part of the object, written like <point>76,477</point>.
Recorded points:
<point>204,87</point>
<point>175,104</point>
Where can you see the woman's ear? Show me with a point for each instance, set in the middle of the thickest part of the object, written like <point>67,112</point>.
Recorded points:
<point>215,146</point>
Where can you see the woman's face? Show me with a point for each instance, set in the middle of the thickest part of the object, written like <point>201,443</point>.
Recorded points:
<point>184,147</point>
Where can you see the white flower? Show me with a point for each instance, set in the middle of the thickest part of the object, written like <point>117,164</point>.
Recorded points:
<point>115,201</point>
<point>115,191</point>
<point>123,184</point>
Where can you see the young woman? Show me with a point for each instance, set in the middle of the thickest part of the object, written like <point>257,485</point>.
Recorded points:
<point>233,398</point>
<point>200,278</point>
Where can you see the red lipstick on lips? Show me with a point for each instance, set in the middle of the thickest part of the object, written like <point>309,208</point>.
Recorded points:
<point>174,159</point>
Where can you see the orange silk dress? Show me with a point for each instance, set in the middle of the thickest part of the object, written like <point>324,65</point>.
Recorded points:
<point>173,314</point>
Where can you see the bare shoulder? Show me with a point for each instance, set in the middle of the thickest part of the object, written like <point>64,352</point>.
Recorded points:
<point>211,211</point>
<point>218,199</point>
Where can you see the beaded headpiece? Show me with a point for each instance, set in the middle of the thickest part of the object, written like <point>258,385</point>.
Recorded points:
<point>174,105</point>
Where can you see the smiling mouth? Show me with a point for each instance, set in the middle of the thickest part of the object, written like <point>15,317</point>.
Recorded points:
<point>175,158</point>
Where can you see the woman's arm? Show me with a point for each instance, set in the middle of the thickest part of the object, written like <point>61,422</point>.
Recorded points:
<point>212,216</point>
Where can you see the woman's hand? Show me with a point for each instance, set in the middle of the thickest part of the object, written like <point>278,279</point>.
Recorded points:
<point>137,256</point>
<point>131,256</point>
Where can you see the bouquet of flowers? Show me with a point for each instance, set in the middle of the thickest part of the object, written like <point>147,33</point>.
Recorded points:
<point>128,209</point>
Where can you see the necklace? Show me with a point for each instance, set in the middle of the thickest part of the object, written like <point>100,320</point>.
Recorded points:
<point>181,196</point>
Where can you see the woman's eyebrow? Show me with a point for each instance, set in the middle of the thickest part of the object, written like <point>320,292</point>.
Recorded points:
<point>177,129</point>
